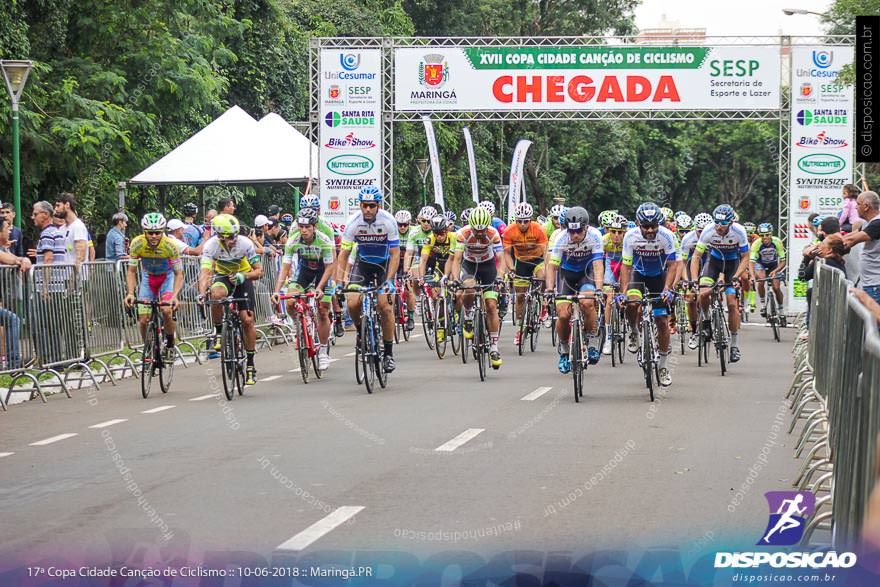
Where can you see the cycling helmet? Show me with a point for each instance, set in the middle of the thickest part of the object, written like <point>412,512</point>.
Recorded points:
<point>307,216</point>
<point>487,205</point>
<point>667,214</point>
<point>556,210</point>
<point>523,211</point>
<point>630,224</point>
<point>403,216</point>
<point>480,218</point>
<point>765,229</point>
<point>427,213</point>
<point>287,219</point>
<point>750,227</point>
<point>465,214</point>
<point>310,201</point>
<point>450,216</point>
<point>153,221</point>
<point>273,210</point>
<point>541,219</point>
<point>817,221</point>
<point>439,223</point>
<point>702,220</point>
<point>576,218</point>
<point>190,209</point>
<point>606,216</point>
<point>649,213</point>
<point>724,215</point>
<point>225,225</point>
<point>684,222</point>
<point>617,223</point>
<point>369,193</point>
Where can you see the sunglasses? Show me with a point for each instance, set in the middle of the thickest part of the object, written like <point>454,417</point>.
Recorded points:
<point>649,226</point>
<point>523,221</point>
<point>722,222</point>
<point>153,232</point>
<point>369,205</point>
<point>575,230</point>
<point>617,230</point>
<point>399,225</point>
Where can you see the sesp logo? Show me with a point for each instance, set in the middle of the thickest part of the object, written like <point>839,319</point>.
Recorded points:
<point>823,59</point>
<point>789,511</point>
<point>351,61</point>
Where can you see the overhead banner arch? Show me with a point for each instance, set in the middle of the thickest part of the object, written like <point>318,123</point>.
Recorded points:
<point>362,86</point>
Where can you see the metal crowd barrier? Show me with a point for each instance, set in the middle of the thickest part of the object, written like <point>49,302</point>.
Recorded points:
<point>835,396</point>
<point>16,342</point>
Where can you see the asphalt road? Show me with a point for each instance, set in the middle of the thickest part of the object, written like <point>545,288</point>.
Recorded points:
<point>438,461</point>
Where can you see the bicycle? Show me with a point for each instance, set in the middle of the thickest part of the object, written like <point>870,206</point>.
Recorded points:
<point>480,344</point>
<point>771,309</point>
<point>305,332</point>
<point>426,312</point>
<point>578,355</point>
<point>443,316</point>
<point>720,331</point>
<point>530,325</point>
<point>649,350</point>
<point>369,351</point>
<point>152,359</point>
<point>232,354</point>
<point>401,309</point>
<point>682,321</point>
<point>617,327</point>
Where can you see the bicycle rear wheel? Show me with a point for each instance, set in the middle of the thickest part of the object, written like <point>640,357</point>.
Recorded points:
<point>166,374</point>
<point>648,359</point>
<point>576,357</point>
<point>302,349</point>
<point>452,327</point>
<point>427,320</point>
<point>148,359</point>
<point>442,324</point>
<point>228,366</point>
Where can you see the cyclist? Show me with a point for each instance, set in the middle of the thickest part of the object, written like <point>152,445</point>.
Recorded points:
<point>450,219</point>
<point>314,253</point>
<point>497,223</point>
<point>229,266</point>
<point>612,243</point>
<point>436,256</point>
<point>728,247</point>
<point>688,243</point>
<point>746,279</point>
<point>375,232</point>
<point>669,221</point>
<point>331,231</point>
<point>767,259</point>
<point>465,214</point>
<point>192,232</point>
<point>418,239</point>
<point>552,224</point>
<point>477,246</point>
<point>161,275</point>
<point>524,246</point>
<point>605,218</point>
<point>576,266</point>
<point>650,267</point>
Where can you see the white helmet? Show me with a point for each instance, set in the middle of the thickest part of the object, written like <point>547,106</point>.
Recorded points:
<point>488,206</point>
<point>684,222</point>
<point>523,211</point>
<point>702,220</point>
<point>556,210</point>
<point>153,221</point>
<point>403,216</point>
<point>427,212</point>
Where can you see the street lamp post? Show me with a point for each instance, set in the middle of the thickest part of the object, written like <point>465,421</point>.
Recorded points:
<point>422,167</point>
<point>15,74</point>
<point>502,191</point>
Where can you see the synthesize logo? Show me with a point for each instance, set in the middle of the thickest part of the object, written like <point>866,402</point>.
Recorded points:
<point>351,61</point>
<point>789,511</point>
<point>433,71</point>
<point>823,59</point>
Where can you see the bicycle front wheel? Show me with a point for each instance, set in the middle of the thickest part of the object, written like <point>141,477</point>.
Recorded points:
<point>720,342</point>
<point>240,358</point>
<point>773,316</point>
<point>648,358</point>
<point>452,327</point>
<point>302,349</point>
<point>367,354</point>
<point>441,329</point>
<point>148,360</point>
<point>427,320</point>
<point>228,365</point>
<point>480,344</point>
<point>576,359</point>
<point>166,374</point>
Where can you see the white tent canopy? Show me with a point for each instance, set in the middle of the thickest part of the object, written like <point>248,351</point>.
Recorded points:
<point>236,149</point>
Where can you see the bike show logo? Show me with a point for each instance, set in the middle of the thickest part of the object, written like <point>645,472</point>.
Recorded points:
<point>349,61</point>
<point>824,116</point>
<point>821,164</point>
<point>350,141</point>
<point>350,118</point>
<point>823,59</point>
<point>350,164</point>
<point>821,141</point>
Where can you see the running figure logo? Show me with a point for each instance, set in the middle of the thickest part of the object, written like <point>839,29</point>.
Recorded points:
<point>789,511</point>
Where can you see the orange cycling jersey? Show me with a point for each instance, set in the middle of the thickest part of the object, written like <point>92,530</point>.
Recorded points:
<point>526,245</point>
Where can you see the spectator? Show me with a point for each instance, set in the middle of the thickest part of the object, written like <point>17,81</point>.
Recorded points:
<point>116,238</point>
<point>828,229</point>
<point>76,235</point>
<point>257,236</point>
<point>192,232</point>
<point>226,206</point>
<point>10,322</point>
<point>51,246</point>
<point>273,234</point>
<point>15,238</point>
<point>868,206</point>
<point>176,233</point>
<point>850,214</point>
<point>274,212</point>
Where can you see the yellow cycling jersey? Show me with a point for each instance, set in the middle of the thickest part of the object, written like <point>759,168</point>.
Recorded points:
<point>158,260</point>
<point>437,249</point>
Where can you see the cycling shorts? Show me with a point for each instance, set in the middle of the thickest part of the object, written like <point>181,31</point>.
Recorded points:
<point>523,269</point>
<point>364,274</point>
<point>651,285</point>
<point>155,287</point>
<point>715,267</point>
<point>765,266</point>
<point>573,282</point>
<point>484,273</point>
<point>245,290</point>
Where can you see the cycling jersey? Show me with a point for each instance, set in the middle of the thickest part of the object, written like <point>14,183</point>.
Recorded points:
<point>499,225</point>
<point>688,244</point>
<point>770,254</point>
<point>404,237</point>
<point>478,248</point>
<point>549,229</point>
<point>239,258</point>
<point>158,260</point>
<point>726,247</point>
<point>312,255</point>
<point>528,245</point>
<point>434,248</point>
<point>417,239</point>
<point>572,256</point>
<point>649,257</point>
<point>613,259</point>
<point>192,234</point>
<point>375,239</point>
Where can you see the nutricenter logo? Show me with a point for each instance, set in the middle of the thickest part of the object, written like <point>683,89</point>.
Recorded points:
<point>350,165</point>
<point>821,164</point>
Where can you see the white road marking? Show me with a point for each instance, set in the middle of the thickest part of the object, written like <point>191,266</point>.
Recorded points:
<point>109,423</point>
<point>6,454</point>
<point>204,397</point>
<point>459,440</point>
<point>535,394</point>
<point>320,528</point>
<point>46,441</point>
<point>294,370</point>
<point>415,335</point>
<point>351,354</point>
<point>271,378</point>
<point>159,409</point>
